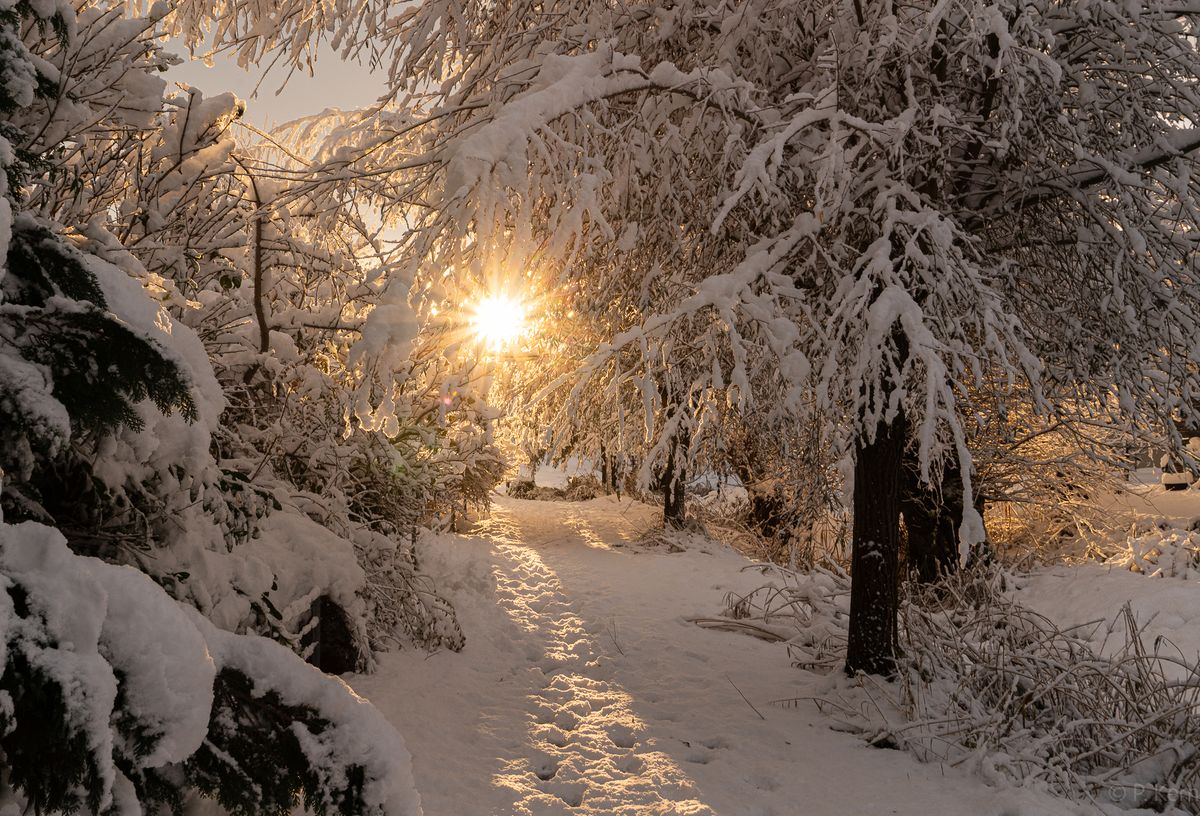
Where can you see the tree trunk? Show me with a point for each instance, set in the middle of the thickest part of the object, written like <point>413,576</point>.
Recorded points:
<point>872,642</point>
<point>610,471</point>
<point>932,516</point>
<point>673,475</point>
<point>671,482</point>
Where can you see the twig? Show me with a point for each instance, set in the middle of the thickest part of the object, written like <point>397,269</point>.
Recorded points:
<point>612,633</point>
<point>743,696</point>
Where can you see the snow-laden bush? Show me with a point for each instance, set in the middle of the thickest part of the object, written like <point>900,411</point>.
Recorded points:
<point>990,684</point>
<point>277,286</point>
<point>273,489</point>
<point>577,489</point>
<point>1159,553</point>
<point>115,697</point>
<point>808,610</point>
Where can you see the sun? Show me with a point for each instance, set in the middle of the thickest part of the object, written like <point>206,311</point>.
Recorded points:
<point>498,321</point>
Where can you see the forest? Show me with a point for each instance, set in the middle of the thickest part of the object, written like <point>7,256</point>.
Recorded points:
<point>736,407</point>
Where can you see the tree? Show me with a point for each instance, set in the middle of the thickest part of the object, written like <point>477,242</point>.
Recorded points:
<point>121,700</point>
<point>865,209</point>
<point>289,449</point>
<point>117,697</point>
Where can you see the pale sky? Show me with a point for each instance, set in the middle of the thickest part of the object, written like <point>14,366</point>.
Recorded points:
<point>335,84</point>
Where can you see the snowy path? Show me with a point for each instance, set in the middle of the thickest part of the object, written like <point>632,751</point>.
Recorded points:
<point>582,689</point>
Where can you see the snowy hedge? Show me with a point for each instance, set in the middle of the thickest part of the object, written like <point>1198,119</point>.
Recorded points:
<point>115,698</point>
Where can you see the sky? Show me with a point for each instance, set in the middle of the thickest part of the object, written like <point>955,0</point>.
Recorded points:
<point>335,84</point>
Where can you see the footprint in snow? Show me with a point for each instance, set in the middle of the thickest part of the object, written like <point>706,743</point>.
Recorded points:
<point>764,783</point>
<point>581,725</point>
<point>552,666</point>
<point>544,714</point>
<point>545,767</point>
<point>622,735</point>
<point>630,764</point>
<point>703,752</point>
<point>566,720</point>
<point>555,736</point>
<point>570,792</point>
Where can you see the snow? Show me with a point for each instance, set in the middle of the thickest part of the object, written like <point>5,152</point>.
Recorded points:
<point>1090,595</point>
<point>559,475</point>
<point>18,76</point>
<point>70,611</point>
<point>308,558</point>
<point>166,441</point>
<point>101,618</point>
<point>167,674</point>
<point>1142,503</point>
<point>29,388</point>
<point>583,689</point>
<point>130,300</point>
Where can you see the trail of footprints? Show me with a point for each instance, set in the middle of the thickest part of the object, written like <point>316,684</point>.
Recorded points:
<point>586,752</point>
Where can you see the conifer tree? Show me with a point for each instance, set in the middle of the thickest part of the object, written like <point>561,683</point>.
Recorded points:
<point>114,696</point>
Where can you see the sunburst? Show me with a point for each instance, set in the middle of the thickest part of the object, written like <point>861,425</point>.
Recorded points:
<point>498,321</point>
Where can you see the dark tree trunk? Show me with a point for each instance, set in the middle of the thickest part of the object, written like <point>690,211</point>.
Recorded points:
<point>672,483</point>
<point>672,477</point>
<point>932,516</point>
<point>610,471</point>
<point>872,642</point>
<point>332,639</point>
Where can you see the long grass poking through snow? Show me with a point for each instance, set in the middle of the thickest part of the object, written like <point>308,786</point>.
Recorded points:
<point>991,685</point>
<point>989,682</point>
<point>809,611</point>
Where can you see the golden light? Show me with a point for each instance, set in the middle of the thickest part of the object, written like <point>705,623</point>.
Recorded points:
<point>498,321</point>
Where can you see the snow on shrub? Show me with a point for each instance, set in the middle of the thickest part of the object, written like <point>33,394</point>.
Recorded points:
<point>116,698</point>
<point>1159,553</point>
<point>810,611</point>
<point>161,409</point>
<point>988,684</point>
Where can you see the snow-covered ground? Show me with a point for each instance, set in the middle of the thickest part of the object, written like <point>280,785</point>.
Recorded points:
<point>584,690</point>
<point>1157,578</point>
<point>1089,596</point>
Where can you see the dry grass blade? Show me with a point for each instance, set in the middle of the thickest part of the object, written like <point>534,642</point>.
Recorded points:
<point>760,632</point>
